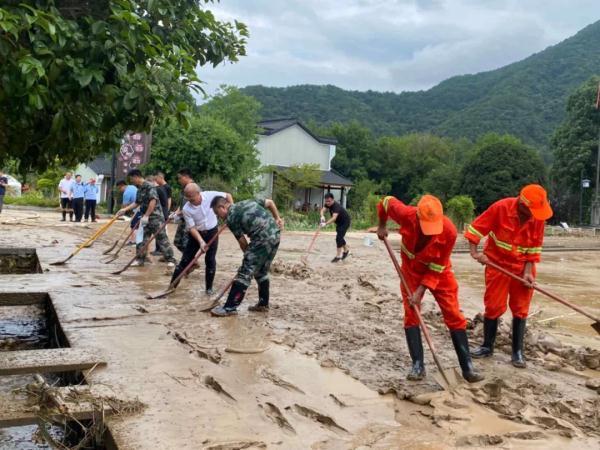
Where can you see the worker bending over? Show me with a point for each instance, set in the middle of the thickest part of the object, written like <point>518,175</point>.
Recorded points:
<point>428,238</point>
<point>250,218</point>
<point>515,230</point>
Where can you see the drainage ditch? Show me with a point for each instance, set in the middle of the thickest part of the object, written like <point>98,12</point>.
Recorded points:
<point>28,321</point>
<point>17,261</point>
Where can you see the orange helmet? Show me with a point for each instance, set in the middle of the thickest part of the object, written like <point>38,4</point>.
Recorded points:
<point>535,198</point>
<point>431,215</point>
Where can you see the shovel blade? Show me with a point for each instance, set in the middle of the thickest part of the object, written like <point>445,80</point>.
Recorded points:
<point>159,294</point>
<point>106,252</point>
<point>596,326</point>
<point>60,263</point>
<point>449,380</point>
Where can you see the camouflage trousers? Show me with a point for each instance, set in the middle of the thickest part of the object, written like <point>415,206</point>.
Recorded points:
<point>257,261</point>
<point>162,241</point>
<point>181,237</point>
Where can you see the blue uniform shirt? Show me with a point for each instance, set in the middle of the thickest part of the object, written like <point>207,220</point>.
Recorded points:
<point>78,190</point>
<point>91,192</point>
<point>129,195</point>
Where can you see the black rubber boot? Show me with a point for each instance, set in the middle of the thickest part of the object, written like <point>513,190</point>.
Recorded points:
<point>461,345</point>
<point>236,295</point>
<point>209,278</point>
<point>263,297</point>
<point>415,348</point>
<point>518,329</point>
<point>490,328</point>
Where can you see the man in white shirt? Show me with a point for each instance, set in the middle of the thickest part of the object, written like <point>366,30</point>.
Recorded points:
<point>64,188</point>
<point>202,225</point>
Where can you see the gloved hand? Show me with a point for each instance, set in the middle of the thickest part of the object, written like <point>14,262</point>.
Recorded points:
<point>144,221</point>
<point>121,212</point>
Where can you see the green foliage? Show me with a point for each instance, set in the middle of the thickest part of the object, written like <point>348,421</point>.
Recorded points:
<point>501,166</point>
<point>49,179</point>
<point>72,80</point>
<point>209,148</point>
<point>287,181</point>
<point>575,146</point>
<point>237,110</point>
<point>362,189</point>
<point>525,99</point>
<point>417,163</point>
<point>32,198</point>
<point>461,210</point>
<point>369,210</point>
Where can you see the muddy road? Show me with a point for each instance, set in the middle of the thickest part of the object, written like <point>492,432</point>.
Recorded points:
<point>325,369</point>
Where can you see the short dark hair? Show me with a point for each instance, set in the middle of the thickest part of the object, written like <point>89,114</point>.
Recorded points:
<point>185,172</point>
<point>159,173</point>
<point>77,175</point>
<point>135,173</point>
<point>218,201</point>
<point>121,183</point>
<point>329,195</point>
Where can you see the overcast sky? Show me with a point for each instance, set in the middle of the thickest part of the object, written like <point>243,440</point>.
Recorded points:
<point>390,45</point>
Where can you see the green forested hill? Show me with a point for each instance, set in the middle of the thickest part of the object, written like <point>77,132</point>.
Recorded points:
<point>526,98</point>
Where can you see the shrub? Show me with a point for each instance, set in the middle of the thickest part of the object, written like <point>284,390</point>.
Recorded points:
<point>32,198</point>
<point>460,210</point>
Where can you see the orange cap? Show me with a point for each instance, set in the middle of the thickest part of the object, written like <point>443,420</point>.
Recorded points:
<point>431,215</point>
<point>535,198</point>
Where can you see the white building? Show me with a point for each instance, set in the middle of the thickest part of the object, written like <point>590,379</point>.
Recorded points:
<point>287,142</point>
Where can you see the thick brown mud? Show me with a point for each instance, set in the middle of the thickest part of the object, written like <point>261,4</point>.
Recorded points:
<point>325,368</point>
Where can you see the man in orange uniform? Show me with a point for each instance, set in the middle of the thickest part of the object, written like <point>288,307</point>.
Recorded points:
<point>427,241</point>
<point>515,230</point>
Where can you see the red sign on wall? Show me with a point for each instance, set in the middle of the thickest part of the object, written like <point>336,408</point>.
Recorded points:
<point>134,151</point>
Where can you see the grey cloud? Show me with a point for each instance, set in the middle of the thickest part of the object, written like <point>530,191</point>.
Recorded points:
<point>389,45</point>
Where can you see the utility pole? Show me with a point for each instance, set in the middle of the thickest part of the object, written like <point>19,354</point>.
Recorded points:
<point>595,219</point>
<point>113,174</point>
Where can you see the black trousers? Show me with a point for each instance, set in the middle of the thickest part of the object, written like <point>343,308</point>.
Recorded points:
<point>78,208</point>
<point>65,203</point>
<point>210,259</point>
<point>340,234</point>
<point>90,207</point>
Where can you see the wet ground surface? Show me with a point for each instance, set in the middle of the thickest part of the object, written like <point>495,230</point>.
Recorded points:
<point>325,368</point>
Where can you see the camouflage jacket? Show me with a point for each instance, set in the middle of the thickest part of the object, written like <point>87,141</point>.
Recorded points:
<point>250,217</point>
<point>145,193</point>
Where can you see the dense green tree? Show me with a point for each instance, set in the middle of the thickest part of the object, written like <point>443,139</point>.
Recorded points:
<point>209,148</point>
<point>75,75</point>
<point>354,149</point>
<point>575,146</point>
<point>499,168</point>
<point>240,111</point>
<point>417,163</point>
<point>292,179</point>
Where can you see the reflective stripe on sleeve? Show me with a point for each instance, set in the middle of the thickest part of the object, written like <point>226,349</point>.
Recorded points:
<point>386,200</point>
<point>473,230</point>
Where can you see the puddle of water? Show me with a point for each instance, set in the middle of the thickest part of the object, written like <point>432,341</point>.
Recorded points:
<point>23,328</point>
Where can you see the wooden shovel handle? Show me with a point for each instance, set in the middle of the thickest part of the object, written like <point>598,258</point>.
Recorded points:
<point>416,310</point>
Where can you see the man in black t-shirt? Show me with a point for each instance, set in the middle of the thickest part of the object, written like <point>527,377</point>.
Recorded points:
<point>340,216</point>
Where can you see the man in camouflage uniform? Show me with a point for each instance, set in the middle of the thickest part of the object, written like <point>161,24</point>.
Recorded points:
<point>184,177</point>
<point>152,219</point>
<point>250,218</point>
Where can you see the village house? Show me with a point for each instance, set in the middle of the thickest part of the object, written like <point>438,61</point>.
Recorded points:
<point>283,143</point>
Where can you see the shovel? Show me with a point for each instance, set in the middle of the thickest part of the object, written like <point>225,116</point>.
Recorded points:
<point>422,325</point>
<point>112,247</point>
<point>304,257</point>
<point>87,243</point>
<point>173,285</point>
<point>123,244</point>
<point>595,325</point>
<point>144,248</point>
